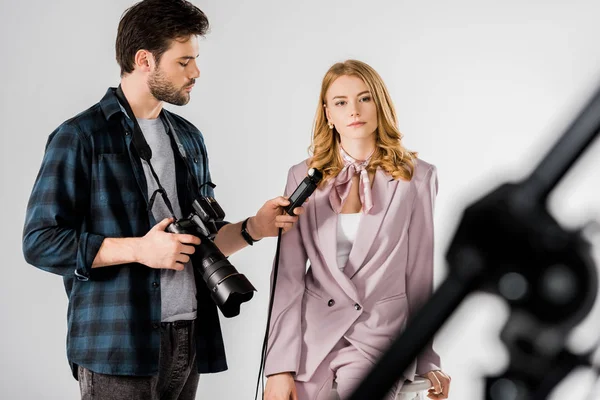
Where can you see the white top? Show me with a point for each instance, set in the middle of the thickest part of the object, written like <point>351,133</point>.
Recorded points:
<point>346,234</point>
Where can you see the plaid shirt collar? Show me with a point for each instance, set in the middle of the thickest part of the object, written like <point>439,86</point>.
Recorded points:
<point>109,104</point>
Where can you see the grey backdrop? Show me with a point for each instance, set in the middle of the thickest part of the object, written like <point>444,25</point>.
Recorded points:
<point>482,88</point>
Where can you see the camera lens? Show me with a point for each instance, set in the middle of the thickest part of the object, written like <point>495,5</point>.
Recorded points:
<point>227,286</point>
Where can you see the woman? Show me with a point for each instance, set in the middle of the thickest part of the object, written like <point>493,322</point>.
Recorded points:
<point>368,235</point>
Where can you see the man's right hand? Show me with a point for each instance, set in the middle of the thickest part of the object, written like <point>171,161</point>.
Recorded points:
<point>164,250</point>
<point>281,387</point>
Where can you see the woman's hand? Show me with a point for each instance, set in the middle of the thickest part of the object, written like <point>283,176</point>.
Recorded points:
<point>441,384</point>
<point>281,387</point>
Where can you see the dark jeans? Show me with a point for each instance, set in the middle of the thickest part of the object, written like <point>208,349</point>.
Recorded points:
<point>177,378</point>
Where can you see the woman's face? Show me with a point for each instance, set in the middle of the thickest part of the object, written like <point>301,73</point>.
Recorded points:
<point>350,107</point>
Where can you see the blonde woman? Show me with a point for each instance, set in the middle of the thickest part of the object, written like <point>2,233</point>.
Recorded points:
<point>368,237</point>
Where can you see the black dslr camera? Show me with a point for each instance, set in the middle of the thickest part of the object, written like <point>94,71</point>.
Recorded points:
<point>228,287</point>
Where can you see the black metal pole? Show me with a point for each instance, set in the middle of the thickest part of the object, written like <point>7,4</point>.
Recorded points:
<point>565,152</point>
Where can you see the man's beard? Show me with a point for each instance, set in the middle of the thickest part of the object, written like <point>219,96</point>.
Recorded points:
<point>163,90</point>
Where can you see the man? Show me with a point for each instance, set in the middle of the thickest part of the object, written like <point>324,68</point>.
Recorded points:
<point>141,323</point>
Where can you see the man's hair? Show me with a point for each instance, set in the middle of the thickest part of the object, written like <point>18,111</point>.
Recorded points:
<point>152,25</point>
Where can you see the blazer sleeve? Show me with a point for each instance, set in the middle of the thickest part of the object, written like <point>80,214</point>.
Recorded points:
<point>419,279</point>
<point>285,338</point>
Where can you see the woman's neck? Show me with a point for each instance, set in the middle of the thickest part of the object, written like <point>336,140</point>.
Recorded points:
<point>359,149</point>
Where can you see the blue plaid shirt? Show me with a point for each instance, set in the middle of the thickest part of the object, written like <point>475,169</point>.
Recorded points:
<point>91,185</point>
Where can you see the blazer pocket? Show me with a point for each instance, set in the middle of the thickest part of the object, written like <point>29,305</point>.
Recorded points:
<point>313,294</point>
<point>390,298</point>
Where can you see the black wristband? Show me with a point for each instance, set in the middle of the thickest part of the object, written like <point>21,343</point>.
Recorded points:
<point>245,233</point>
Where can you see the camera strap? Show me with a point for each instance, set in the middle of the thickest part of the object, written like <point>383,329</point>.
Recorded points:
<point>196,187</point>
<point>144,151</point>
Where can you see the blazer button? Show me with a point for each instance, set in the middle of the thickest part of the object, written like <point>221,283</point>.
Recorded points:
<point>357,307</point>
<point>331,302</point>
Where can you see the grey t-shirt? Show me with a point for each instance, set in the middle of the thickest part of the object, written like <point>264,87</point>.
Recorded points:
<point>178,288</point>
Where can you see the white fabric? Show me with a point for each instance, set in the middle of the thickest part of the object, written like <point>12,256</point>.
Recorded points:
<point>346,234</point>
<point>415,390</point>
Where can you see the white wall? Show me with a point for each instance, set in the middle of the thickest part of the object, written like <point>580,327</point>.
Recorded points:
<point>482,89</point>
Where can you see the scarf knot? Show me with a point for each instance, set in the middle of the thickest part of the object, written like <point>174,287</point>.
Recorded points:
<point>343,183</point>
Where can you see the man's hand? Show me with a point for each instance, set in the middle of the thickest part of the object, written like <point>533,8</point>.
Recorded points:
<point>271,217</point>
<point>281,387</point>
<point>160,249</point>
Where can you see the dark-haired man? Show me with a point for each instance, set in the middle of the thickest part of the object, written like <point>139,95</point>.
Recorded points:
<point>141,325</point>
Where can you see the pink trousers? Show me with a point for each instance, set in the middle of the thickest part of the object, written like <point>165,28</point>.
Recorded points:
<point>346,366</point>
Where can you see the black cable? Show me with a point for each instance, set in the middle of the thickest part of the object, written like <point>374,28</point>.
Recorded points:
<point>263,353</point>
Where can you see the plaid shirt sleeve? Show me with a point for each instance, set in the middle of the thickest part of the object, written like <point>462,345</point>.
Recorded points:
<point>57,206</point>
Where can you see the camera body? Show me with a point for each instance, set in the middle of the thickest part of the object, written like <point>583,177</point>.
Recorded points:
<point>227,286</point>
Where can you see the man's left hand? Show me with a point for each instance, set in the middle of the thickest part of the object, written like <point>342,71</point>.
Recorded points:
<point>271,217</point>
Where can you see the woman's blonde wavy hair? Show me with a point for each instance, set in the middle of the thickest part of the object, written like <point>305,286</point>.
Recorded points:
<point>390,155</point>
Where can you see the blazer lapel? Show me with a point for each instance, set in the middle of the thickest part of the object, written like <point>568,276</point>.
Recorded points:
<point>383,190</point>
<point>326,222</point>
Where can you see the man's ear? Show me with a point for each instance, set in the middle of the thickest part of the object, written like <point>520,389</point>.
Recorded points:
<point>144,60</point>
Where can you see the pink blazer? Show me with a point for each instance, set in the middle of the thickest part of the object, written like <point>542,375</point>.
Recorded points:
<point>389,274</point>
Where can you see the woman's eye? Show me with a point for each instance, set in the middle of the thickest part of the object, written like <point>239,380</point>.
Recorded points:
<point>182,64</point>
<point>365,99</point>
<point>340,103</point>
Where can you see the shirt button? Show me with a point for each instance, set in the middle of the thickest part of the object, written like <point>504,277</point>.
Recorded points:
<point>331,302</point>
<point>155,284</point>
<point>155,326</point>
<point>196,160</point>
<point>357,307</point>
<point>126,133</point>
